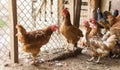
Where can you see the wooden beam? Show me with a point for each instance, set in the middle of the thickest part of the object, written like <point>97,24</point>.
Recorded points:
<point>109,5</point>
<point>94,5</point>
<point>77,11</point>
<point>14,41</point>
<point>72,10</point>
<point>60,7</point>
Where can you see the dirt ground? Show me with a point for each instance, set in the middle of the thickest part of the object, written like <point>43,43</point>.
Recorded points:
<point>78,62</point>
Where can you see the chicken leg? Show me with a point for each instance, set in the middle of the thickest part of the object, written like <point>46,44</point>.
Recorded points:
<point>75,45</point>
<point>91,59</point>
<point>34,61</point>
<point>98,59</point>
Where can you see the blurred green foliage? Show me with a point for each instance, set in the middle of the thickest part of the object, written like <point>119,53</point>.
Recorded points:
<point>2,23</point>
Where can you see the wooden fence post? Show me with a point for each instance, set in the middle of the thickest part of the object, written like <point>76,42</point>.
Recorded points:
<point>60,7</point>
<point>13,22</point>
<point>77,11</point>
<point>94,5</point>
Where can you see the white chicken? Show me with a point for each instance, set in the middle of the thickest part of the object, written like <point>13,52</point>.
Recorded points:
<point>100,47</point>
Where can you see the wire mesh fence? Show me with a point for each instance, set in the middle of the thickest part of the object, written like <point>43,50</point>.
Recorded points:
<point>4,31</point>
<point>32,15</point>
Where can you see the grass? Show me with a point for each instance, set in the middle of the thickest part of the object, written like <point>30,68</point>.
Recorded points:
<point>2,23</point>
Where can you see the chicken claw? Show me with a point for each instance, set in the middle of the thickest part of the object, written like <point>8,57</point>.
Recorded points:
<point>91,59</point>
<point>98,60</point>
<point>36,63</point>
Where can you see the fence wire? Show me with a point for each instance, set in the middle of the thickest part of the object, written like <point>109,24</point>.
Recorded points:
<point>32,15</point>
<point>4,31</point>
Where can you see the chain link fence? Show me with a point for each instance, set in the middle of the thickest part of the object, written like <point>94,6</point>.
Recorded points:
<point>4,31</point>
<point>37,14</point>
<point>32,15</point>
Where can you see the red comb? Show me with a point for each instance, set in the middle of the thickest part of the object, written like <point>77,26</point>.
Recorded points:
<point>85,23</point>
<point>56,25</point>
<point>91,19</point>
<point>64,11</point>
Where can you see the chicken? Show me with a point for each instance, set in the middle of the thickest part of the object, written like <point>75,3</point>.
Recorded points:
<point>114,30</point>
<point>114,25</point>
<point>99,15</point>
<point>115,52</point>
<point>99,47</point>
<point>95,29</point>
<point>103,23</point>
<point>70,32</point>
<point>32,41</point>
<point>92,30</point>
<point>110,18</point>
<point>115,13</point>
<point>86,26</point>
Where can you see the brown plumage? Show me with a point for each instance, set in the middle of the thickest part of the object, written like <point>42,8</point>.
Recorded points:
<point>70,32</point>
<point>32,41</point>
<point>84,41</point>
<point>105,25</point>
<point>115,52</point>
<point>95,29</point>
<point>110,18</point>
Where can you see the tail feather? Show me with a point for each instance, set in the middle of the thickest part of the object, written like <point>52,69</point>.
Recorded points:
<point>104,44</point>
<point>111,41</point>
<point>21,30</point>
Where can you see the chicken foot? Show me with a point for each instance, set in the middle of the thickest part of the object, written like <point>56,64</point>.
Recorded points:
<point>98,60</point>
<point>115,56</point>
<point>33,61</point>
<point>91,59</point>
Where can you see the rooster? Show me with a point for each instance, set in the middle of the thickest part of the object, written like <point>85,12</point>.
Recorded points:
<point>32,41</point>
<point>70,32</point>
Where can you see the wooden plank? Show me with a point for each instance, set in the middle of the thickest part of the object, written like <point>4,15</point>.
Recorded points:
<point>85,3</point>
<point>60,7</point>
<point>94,5</point>
<point>14,41</point>
<point>77,11</point>
<point>72,8</point>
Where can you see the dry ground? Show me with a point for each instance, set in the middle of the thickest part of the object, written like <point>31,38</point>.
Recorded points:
<point>78,62</point>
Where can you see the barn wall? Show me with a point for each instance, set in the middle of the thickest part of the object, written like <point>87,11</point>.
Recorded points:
<point>105,5</point>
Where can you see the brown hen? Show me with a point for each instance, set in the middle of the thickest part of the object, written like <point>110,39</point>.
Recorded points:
<point>70,32</point>
<point>32,41</point>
